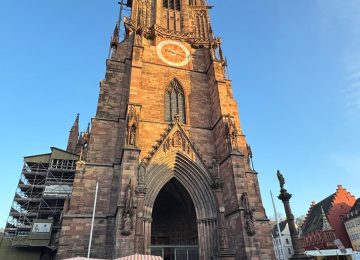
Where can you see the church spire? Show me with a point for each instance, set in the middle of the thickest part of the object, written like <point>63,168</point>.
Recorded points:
<point>73,136</point>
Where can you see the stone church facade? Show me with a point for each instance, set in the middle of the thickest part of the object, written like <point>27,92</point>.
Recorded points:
<point>167,149</point>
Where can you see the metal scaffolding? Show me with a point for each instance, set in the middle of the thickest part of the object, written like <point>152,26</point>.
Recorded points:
<point>45,184</point>
<point>125,11</point>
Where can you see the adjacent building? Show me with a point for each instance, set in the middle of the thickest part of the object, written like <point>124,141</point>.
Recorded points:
<point>323,223</point>
<point>352,225</point>
<point>283,247</point>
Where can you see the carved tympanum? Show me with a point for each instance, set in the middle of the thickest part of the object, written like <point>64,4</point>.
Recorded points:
<point>177,142</point>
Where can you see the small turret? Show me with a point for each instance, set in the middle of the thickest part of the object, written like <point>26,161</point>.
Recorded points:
<point>114,41</point>
<point>115,37</point>
<point>73,136</point>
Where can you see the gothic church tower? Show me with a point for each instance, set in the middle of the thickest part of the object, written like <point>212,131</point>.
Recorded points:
<point>167,148</point>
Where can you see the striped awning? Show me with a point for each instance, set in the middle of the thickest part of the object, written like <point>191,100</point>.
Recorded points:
<point>141,257</point>
<point>130,257</point>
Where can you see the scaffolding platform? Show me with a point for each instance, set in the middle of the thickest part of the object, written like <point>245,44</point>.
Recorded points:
<point>45,184</point>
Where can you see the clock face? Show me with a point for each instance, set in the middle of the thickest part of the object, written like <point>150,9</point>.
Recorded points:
<point>173,53</point>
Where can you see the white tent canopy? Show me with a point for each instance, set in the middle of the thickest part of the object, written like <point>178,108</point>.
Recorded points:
<point>131,257</point>
<point>329,252</point>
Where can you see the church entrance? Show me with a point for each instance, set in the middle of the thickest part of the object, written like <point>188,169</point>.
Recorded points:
<point>174,234</point>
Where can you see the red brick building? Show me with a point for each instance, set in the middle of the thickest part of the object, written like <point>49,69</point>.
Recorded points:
<point>323,223</point>
<point>167,148</point>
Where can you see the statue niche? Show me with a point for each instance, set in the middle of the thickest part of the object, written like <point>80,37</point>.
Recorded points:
<point>127,214</point>
<point>248,215</point>
<point>132,126</point>
<point>141,173</point>
<point>231,133</point>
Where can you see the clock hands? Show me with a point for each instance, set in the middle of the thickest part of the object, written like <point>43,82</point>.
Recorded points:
<point>175,53</point>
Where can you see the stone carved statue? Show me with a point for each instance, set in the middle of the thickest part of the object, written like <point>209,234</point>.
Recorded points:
<point>126,225</point>
<point>141,173</point>
<point>281,179</point>
<point>216,168</point>
<point>128,211</point>
<point>132,126</point>
<point>218,183</point>
<point>132,135</point>
<point>224,240</point>
<point>248,215</point>
<point>250,156</point>
<point>231,133</point>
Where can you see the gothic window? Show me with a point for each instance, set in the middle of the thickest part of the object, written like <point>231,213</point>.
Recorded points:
<point>196,2</point>
<point>171,15</point>
<point>175,102</point>
<point>202,27</point>
<point>172,4</point>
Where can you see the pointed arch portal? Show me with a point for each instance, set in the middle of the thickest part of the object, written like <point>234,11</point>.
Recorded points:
<point>180,209</point>
<point>174,228</point>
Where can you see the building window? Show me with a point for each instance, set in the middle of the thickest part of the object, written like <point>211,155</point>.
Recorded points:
<point>289,251</point>
<point>172,4</point>
<point>171,15</point>
<point>175,102</point>
<point>196,2</point>
<point>287,241</point>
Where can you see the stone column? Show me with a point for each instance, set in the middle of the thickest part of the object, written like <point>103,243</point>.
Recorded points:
<point>139,228</point>
<point>299,252</point>
<point>140,222</point>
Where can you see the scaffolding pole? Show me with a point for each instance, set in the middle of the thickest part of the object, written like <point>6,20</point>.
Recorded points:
<point>92,220</point>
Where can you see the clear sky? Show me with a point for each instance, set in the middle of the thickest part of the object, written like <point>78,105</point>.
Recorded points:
<point>295,67</point>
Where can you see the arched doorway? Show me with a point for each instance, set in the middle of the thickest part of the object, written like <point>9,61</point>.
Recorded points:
<point>174,232</point>
<point>195,181</point>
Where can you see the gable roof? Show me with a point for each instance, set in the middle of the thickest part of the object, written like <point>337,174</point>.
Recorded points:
<point>282,226</point>
<point>56,153</point>
<point>356,205</point>
<point>314,220</point>
<point>354,212</point>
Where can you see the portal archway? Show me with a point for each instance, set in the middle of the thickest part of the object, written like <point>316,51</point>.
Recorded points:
<point>174,231</point>
<point>196,182</point>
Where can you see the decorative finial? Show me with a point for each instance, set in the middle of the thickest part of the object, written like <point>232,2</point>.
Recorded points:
<point>177,118</point>
<point>115,36</point>
<point>250,156</point>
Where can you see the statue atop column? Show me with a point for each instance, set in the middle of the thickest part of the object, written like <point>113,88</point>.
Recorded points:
<point>299,252</point>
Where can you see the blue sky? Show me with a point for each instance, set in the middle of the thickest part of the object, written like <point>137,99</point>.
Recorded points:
<point>295,67</point>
